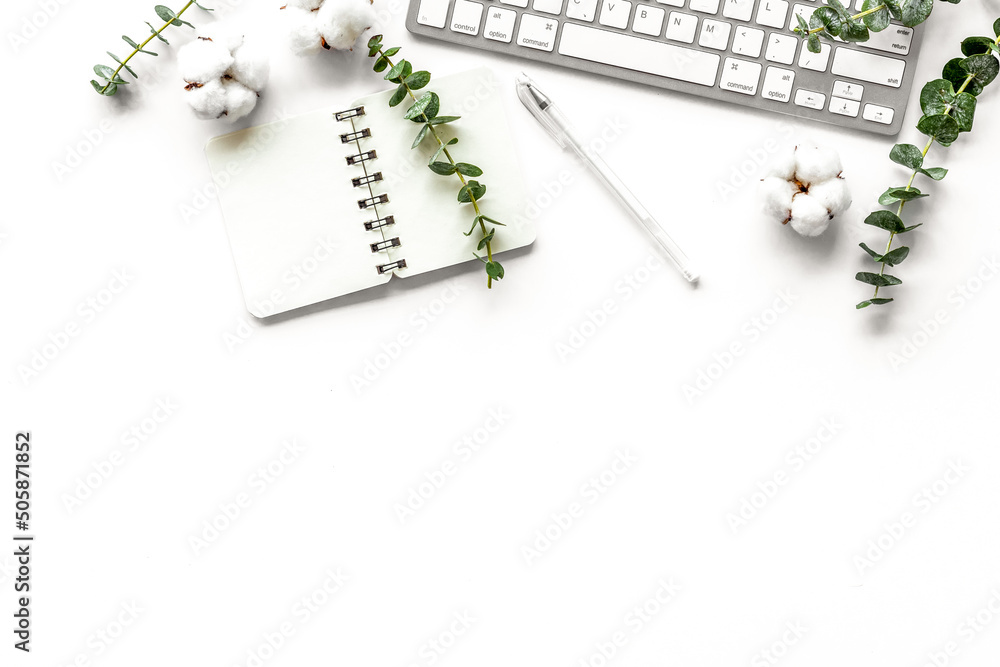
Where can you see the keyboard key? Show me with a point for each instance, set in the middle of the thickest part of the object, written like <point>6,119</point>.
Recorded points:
<point>433,12</point>
<point>499,24</point>
<point>740,76</point>
<point>772,13</point>
<point>537,32</point>
<point>778,84</point>
<point>848,90</point>
<point>868,67</point>
<point>704,6</point>
<point>738,10</point>
<point>748,42</point>
<point>894,39</point>
<point>877,114</point>
<point>839,105</point>
<point>641,55</point>
<point>466,17</point>
<point>516,3</point>
<point>715,34</point>
<point>615,13</point>
<point>584,10</point>
<point>547,6</point>
<point>648,20</point>
<point>810,99</point>
<point>781,48</point>
<point>681,27</point>
<point>815,61</point>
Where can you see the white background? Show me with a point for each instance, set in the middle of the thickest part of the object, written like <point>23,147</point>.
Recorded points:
<point>178,334</point>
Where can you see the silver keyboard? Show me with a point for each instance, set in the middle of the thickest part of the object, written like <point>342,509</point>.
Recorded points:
<point>739,51</point>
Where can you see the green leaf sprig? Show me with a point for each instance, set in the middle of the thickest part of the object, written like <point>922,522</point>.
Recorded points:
<point>424,111</point>
<point>111,78</point>
<point>835,20</point>
<point>948,112</point>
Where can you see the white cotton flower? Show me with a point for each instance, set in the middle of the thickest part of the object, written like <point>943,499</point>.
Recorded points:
<point>207,99</point>
<point>224,72</point>
<point>202,60</point>
<point>808,216</point>
<point>328,24</point>
<point>813,164</point>
<point>778,193</point>
<point>805,189</point>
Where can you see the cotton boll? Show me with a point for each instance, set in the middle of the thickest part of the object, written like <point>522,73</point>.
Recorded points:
<point>809,216</point>
<point>814,164</point>
<point>782,165</point>
<point>341,22</point>
<point>240,100</point>
<point>208,99</point>
<point>832,194</point>
<point>777,193</point>
<point>304,31</point>
<point>203,60</point>
<point>250,65</point>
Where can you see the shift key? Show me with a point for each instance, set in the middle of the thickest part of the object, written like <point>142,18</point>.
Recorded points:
<point>868,67</point>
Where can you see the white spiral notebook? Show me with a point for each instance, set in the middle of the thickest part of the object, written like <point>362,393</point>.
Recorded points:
<point>336,201</point>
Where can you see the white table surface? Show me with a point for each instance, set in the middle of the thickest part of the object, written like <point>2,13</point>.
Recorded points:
<point>176,334</point>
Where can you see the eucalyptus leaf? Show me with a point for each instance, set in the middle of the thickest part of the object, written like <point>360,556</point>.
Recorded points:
<point>936,96</point>
<point>398,96</point>
<point>424,108</point>
<point>937,173</point>
<point>157,33</point>
<point>494,270</point>
<point>127,68</point>
<point>965,111</point>
<point>442,120</point>
<point>420,136</point>
<point>486,239</point>
<point>878,280</point>
<point>907,155</point>
<point>380,64</point>
<point>942,127</point>
<point>886,220</point>
<point>955,72</point>
<point>803,27</point>
<point>878,20</point>
<point>874,255</point>
<point>895,10</point>
<point>467,169</point>
<point>896,256</point>
<point>443,168</point>
<point>854,31</point>
<point>828,19</point>
<point>984,67</point>
<point>418,80</point>
<point>975,45</point>
<point>915,12</point>
<point>813,44</point>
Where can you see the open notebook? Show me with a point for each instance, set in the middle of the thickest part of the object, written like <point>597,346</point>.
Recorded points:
<point>335,201</point>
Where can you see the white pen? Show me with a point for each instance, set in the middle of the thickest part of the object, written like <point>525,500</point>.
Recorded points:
<point>542,108</point>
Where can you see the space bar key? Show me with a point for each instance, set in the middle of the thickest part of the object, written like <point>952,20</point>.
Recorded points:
<point>641,55</point>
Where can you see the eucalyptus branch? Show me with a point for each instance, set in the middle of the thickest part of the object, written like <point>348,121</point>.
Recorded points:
<point>834,20</point>
<point>112,77</point>
<point>947,113</point>
<point>424,110</point>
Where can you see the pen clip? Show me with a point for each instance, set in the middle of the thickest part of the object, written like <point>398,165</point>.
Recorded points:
<point>536,102</point>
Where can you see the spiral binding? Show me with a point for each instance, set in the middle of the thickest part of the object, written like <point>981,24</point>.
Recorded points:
<point>373,200</point>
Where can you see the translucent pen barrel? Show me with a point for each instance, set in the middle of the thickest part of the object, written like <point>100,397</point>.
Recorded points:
<point>635,207</point>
